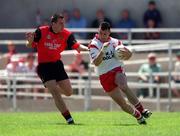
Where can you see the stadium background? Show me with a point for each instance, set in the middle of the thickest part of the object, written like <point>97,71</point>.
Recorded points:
<point>22,14</point>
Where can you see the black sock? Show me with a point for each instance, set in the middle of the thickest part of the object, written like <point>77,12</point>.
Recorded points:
<point>68,117</point>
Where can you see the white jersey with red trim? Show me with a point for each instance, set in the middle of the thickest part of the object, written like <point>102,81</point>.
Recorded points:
<point>109,61</point>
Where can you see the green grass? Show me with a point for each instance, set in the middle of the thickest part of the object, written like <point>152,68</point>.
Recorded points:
<point>88,124</point>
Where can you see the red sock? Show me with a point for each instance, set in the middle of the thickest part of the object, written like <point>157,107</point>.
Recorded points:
<point>139,107</point>
<point>66,113</point>
<point>137,114</point>
<point>67,116</point>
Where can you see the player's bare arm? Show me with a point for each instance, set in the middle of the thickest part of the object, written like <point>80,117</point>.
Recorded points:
<point>97,61</point>
<point>82,48</point>
<point>126,54</point>
<point>30,39</point>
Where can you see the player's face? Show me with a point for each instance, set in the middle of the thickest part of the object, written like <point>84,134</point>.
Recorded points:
<point>152,60</point>
<point>59,25</point>
<point>104,35</point>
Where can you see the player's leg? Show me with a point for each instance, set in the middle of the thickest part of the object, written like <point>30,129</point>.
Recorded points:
<point>48,72</point>
<point>56,93</point>
<point>121,81</point>
<point>65,86</point>
<point>63,79</point>
<point>116,95</point>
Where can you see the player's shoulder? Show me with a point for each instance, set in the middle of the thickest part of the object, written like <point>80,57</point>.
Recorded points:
<point>145,66</point>
<point>94,41</point>
<point>93,44</point>
<point>116,41</point>
<point>66,31</point>
<point>46,27</point>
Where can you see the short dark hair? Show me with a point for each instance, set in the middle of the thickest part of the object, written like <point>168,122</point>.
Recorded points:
<point>152,2</point>
<point>55,17</point>
<point>104,26</point>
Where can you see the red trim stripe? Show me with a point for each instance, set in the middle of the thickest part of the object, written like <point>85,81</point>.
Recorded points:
<point>92,46</point>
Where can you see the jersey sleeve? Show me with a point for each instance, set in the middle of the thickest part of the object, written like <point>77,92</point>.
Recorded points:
<point>72,43</point>
<point>37,37</point>
<point>93,50</point>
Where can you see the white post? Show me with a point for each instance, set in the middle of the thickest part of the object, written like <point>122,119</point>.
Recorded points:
<point>14,94</point>
<point>158,108</point>
<point>129,37</point>
<point>111,105</point>
<point>87,92</point>
<point>169,79</point>
<point>8,80</point>
<point>151,82</point>
<point>79,84</point>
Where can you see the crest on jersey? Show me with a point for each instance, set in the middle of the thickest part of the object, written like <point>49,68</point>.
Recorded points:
<point>48,37</point>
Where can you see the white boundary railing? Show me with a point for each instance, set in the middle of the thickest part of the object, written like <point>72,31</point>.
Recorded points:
<point>129,41</point>
<point>80,84</point>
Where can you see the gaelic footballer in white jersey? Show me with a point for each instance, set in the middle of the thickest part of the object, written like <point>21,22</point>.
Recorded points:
<point>109,61</point>
<point>111,72</point>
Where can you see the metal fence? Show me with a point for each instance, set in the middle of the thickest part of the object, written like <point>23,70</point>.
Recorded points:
<point>129,41</point>
<point>167,45</point>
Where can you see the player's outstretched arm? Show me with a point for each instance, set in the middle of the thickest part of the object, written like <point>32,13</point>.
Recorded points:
<point>82,48</point>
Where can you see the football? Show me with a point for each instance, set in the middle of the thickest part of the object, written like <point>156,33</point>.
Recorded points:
<point>118,52</point>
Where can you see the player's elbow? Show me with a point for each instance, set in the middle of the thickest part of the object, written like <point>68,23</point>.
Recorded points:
<point>96,64</point>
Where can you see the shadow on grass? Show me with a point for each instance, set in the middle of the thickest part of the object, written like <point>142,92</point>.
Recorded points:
<point>128,124</point>
<point>81,124</point>
<point>76,124</point>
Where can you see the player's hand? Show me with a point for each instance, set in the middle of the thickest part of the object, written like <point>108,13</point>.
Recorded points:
<point>30,37</point>
<point>104,47</point>
<point>125,55</point>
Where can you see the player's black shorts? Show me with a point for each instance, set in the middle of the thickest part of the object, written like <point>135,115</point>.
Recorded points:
<point>52,71</point>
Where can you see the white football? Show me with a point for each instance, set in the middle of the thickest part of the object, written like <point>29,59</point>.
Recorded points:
<point>118,51</point>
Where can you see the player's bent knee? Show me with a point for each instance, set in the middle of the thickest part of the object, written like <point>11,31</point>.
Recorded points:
<point>123,87</point>
<point>68,93</point>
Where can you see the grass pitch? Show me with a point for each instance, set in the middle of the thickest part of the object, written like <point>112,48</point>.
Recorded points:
<point>88,124</point>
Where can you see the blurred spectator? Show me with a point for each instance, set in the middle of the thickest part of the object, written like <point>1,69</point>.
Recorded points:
<point>38,18</point>
<point>78,65</point>
<point>152,13</point>
<point>149,68</point>
<point>125,22</point>
<point>45,22</point>
<point>77,21</point>
<point>30,66</point>
<point>66,18</point>
<point>100,17</point>
<point>151,35</point>
<point>177,77</point>
<point>11,51</point>
<point>15,66</point>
